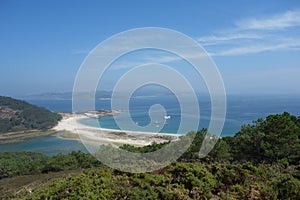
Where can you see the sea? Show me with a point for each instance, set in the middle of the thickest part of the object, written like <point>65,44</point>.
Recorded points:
<point>241,109</point>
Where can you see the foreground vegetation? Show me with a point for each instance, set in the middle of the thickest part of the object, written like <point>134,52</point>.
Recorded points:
<point>17,115</point>
<point>262,161</point>
<point>24,163</point>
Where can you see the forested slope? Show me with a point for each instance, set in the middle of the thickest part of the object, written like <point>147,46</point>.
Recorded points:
<point>17,115</point>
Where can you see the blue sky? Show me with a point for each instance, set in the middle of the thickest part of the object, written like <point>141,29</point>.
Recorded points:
<point>255,44</point>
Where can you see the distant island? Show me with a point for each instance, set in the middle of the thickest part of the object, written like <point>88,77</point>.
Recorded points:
<point>99,95</point>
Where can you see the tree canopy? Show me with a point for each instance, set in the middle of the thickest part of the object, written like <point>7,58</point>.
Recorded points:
<point>271,140</point>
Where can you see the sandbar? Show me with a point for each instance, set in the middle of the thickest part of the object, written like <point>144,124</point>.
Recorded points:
<point>77,130</point>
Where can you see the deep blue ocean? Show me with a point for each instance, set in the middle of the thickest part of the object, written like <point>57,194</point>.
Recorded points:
<point>241,109</point>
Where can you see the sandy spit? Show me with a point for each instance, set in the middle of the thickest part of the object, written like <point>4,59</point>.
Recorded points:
<point>71,123</point>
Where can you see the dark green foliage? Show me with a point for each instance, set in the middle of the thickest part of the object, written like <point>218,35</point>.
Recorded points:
<point>74,160</point>
<point>273,140</point>
<point>193,150</point>
<point>193,180</point>
<point>6,124</point>
<point>144,149</point>
<point>22,163</point>
<point>221,152</point>
<point>21,115</point>
<point>287,186</point>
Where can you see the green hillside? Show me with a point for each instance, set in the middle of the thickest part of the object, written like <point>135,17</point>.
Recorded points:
<point>17,115</point>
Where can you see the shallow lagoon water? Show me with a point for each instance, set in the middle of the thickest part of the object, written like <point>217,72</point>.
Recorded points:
<point>49,145</point>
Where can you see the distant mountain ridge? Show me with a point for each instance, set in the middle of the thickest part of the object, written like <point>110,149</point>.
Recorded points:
<point>98,95</point>
<point>17,115</point>
<point>62,95</point>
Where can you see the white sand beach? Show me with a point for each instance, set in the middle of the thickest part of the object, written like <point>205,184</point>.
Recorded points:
<point>71,124</point>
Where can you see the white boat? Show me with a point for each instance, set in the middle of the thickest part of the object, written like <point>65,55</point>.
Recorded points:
<point>167,117</point>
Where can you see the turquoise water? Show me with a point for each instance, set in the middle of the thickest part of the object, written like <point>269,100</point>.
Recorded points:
<point>49,145</point>
<point>240,110</point>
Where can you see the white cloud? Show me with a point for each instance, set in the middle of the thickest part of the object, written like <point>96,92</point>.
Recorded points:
<point>250,50</point>
<point>153,57</point>
<point>213,40</point>
<point>254,35</point>
<point>247,36</point>
<point>292,44</point>
<point>171,58</point>
<point>279,21</point>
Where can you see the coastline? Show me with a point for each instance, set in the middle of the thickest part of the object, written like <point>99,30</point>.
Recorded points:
<point>71,128</point>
